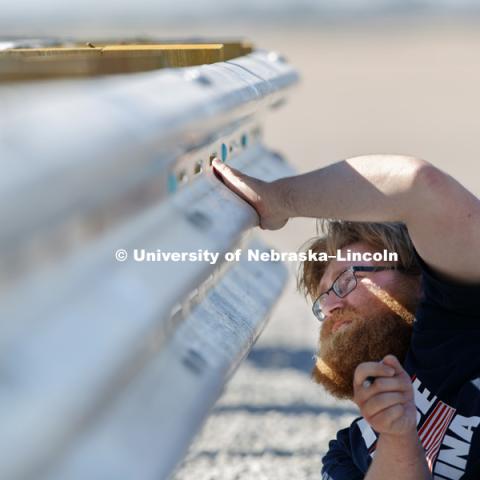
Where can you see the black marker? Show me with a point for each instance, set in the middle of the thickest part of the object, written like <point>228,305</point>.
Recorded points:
<point>368,382</point>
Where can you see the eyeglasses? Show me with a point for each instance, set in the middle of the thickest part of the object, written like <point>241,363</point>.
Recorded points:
<point>344,284</point>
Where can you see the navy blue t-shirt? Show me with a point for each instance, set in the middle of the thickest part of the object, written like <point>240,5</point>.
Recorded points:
<point>444,364</point>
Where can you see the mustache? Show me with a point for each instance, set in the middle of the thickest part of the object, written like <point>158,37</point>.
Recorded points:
<point>345,314</point>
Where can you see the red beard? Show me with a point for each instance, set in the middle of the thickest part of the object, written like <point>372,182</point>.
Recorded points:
<point>369,338</point>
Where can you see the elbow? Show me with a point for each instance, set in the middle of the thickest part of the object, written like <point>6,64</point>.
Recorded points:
<point>428,179</point>
<point>422,184</point>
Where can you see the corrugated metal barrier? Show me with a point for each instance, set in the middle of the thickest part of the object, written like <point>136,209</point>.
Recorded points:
<point>113,348</point>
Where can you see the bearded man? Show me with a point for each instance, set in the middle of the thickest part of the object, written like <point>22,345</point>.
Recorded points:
<point>401,339</point>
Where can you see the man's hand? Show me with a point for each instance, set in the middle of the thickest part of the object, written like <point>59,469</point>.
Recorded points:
<point>265,197</point>
<point>388,406</point>
<point>388,403</point>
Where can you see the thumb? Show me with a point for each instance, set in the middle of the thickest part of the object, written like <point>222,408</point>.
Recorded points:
<point>392,361</point>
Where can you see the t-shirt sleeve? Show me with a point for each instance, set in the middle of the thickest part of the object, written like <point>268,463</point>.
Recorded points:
<point>446,304</point>
<point>338,463</point>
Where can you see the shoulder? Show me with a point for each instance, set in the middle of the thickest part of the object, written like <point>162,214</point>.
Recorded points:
<point>344,458</point>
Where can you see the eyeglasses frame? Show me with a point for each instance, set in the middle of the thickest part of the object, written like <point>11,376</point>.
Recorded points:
<point>353,269</point>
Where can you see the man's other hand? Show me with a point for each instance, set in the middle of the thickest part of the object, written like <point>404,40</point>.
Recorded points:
<point>387,403</point>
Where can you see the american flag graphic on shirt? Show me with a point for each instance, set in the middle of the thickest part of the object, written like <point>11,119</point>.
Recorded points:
<point>433,430</point>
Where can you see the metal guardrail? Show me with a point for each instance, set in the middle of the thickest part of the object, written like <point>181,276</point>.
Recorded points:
<point>108,367</point>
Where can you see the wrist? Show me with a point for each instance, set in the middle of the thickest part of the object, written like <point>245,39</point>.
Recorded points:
<point>399,457</point>
<point>404,447</point>
<point>285,197</point>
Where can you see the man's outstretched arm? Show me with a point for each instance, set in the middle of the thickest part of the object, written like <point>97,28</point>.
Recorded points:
<point>442,217</point>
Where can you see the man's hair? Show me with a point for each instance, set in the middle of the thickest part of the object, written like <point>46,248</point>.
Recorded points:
<point>337,234</point>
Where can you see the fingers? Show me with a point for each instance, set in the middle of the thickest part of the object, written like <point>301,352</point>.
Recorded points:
<point>387,403</point>
<point>392,361</point>
<point>377,403</point>
<point>387,380</point>
<point>371,369</point>
<point>267,198</point>
<point>385,384</point>
<point>387,417</point>
<point>238,182</point>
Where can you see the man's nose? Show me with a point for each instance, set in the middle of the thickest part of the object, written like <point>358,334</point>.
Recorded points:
<point>332,303</point>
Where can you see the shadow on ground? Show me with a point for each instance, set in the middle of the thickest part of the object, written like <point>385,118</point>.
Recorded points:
<point>274,452</point>
<point>291,409</point>
<point>280,358</point>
